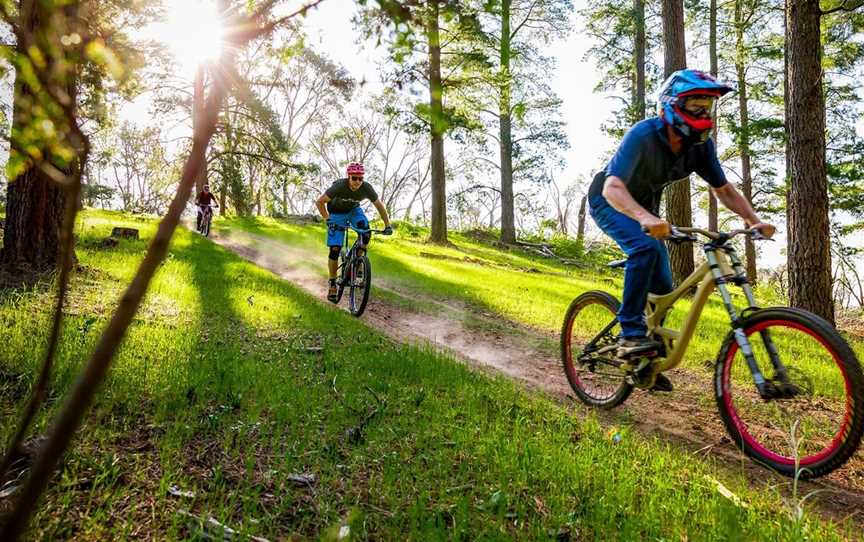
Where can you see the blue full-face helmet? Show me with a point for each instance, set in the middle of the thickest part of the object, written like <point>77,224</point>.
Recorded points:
<point>675,91</point>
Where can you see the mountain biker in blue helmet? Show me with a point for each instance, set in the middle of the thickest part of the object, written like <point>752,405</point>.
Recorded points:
<point>625,196</point>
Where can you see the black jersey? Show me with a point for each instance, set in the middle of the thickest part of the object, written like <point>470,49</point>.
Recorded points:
<point>343,199</point>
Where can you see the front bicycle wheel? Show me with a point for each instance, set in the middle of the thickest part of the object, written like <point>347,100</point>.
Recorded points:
<point>361,283</point>
<point>588,342</point>
<point>815,424</point>
<point>205,227</point>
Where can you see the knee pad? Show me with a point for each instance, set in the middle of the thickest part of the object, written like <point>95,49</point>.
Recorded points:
<point>364,237</point>
<point>334,253</point>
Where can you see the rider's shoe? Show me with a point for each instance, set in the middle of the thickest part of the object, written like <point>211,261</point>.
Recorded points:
<point>629,346</point>
<point>661,383</point>
<point>333,292</point>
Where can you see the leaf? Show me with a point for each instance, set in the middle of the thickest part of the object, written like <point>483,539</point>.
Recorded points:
<point>98,52</point>
<point>726,492</point>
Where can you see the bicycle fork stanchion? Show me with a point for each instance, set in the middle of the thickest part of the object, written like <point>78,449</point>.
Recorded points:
<point>779,368</point>
<point>737,325</point>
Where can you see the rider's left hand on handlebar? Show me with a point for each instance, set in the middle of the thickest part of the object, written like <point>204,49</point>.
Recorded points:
<point>767,230</point>
<point>388,230</point>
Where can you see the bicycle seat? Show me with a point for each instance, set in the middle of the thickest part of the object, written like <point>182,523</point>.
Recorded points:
<point>617,263</point>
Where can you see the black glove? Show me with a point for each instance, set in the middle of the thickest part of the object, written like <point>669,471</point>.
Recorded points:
<point>388,230</point>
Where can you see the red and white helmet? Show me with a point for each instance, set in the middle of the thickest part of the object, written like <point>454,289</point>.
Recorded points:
<point>355,169</point>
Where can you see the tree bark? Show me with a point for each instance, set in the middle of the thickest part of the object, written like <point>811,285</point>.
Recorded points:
<point>508,226</point>
<point>809,254</point>
<point>34,203</point>
<point>639,60</point>
<point>438,233</point>
<point>580,229</point>
<point>744,133</point>
<point>712,52</point>
<point>678,210</point>
<point>197,108</point>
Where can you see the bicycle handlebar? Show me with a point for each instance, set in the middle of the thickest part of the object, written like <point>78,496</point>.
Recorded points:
<point>683,233</point>
<point>358,230</point>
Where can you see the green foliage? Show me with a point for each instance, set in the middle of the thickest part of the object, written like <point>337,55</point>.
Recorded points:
<point>610,24</point>
<point>67,58</point>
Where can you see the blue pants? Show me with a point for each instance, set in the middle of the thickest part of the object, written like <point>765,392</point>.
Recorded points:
<point>647,268</point>
<point>355,217</point>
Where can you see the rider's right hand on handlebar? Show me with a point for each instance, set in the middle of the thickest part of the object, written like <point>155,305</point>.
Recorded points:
<point>656,227</point>
<point>765,230</point>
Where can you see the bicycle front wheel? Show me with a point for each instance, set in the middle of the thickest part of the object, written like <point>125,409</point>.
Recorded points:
<point>588,343</point>
<point>815,423</point>
<point>360,284</point>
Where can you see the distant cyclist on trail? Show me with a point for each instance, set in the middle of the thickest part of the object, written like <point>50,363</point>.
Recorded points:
<point>203,200</point>
<point>340,206</point>
<point>625,197</point>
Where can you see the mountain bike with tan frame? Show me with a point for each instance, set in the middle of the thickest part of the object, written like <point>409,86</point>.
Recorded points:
<point>780,371</point>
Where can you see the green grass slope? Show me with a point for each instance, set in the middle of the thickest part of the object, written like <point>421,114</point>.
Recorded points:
<point>231,382</point>
<point>513,285</point>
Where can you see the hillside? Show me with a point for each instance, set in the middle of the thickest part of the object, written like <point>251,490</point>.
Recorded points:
<point>240,397</point>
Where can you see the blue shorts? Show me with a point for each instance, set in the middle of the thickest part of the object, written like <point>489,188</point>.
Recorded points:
<point>355,217</point>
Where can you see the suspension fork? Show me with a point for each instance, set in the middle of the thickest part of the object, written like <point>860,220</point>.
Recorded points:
<point>737,324</point>
<point>779,369</point>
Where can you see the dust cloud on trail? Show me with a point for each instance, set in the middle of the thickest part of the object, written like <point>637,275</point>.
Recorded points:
<point>446,330</point>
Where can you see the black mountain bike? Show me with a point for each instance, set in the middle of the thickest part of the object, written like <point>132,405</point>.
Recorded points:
<point>206,219</point>
<point>354,272</point>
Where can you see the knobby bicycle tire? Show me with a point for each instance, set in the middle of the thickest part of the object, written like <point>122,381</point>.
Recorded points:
<point>845,440</point>
<point>609,304</point>
<point>360,264</point>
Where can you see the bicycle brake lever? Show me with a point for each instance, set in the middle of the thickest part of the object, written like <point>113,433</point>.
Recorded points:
<point>756,235</point>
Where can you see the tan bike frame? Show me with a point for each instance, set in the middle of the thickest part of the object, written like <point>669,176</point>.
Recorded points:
<point>722,264</point>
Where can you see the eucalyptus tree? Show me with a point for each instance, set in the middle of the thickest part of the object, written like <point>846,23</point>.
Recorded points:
<point>809,256</point>
<point>310,90</point>
<point>523,113</point>
<point>678,207</point>
<point>135,161</point>
<point>427,44</point>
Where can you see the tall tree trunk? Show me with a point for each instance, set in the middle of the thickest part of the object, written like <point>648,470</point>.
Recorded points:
<point>639,60</point>
<point>508,226</point>
<point>678,210</point>
<point>437,122</point>
<point>580,229</point>
<point>197,108</point>
<point>712,52</point>
<point>34,203</point>
<point>744,133</point>
<point>809,254</point>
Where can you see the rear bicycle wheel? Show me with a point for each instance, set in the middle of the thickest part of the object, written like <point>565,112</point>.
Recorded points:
<point>361,283</point>
<point>823,408</point>
<point>589,338</point>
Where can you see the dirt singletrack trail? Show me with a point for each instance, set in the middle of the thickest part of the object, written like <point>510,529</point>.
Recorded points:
<point>687,417</point>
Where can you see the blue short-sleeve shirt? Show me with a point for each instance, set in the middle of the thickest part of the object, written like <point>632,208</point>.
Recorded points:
<point>646,164</point>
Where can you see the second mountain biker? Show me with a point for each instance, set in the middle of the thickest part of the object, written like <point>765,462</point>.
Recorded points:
<point>340,206</point>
